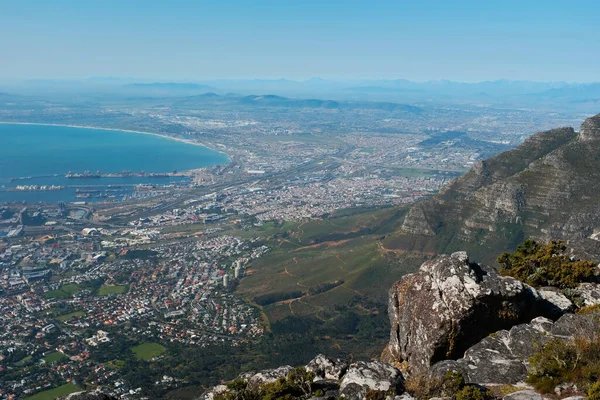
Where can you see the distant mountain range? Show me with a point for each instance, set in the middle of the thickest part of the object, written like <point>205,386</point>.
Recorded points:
<point>505,92</point>
<point>169,86</point>
<point>271,100</point>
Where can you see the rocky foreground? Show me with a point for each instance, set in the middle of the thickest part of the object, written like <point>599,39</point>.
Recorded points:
<point>454,315</point>
<point>452,318</point>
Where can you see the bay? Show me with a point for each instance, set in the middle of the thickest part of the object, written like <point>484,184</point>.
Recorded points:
<point>41,151</point>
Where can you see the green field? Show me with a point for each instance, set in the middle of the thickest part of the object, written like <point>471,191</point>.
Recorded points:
<point>54,393</point>
<point>112,289</point>
<point>64,292</point>
<point>53,357</point>
<point>67,317</point>
<point>147,351</point>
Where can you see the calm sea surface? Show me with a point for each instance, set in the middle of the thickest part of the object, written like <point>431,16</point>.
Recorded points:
<point>40,151</point>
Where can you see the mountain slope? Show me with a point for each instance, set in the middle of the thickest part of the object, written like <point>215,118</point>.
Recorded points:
<point>274,101</point>
<point>547,188</point>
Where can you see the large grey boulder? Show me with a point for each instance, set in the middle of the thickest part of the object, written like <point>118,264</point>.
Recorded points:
<point>256,379</point>
<point>588,294</point>
<point>451,304</point>
<point>524,395</point>
<point>212,392</point>
<point>363,377</point>
<point>327,368</point>
<point>502,357</point>
<point>555,297</point>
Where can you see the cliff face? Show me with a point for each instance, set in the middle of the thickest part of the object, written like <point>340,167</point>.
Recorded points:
<point>547,188</point>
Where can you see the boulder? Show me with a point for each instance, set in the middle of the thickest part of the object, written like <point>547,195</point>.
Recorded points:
<point>451,304</point>
<point>212,392</point>
<point>555,297</point>
<point>327,368</point>
<point>502,357</point>
<point>566,388</point>
<point>524,395</point>
<point>363,377</point>
<point>256,379</point>
<point>588,294</point>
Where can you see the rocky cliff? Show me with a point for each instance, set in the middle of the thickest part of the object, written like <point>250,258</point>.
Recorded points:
<point>547,188</point>
<point>451,304</point>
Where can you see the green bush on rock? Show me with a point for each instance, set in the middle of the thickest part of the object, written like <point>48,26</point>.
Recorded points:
<point>452,386</point>
<point>545,265</point>
<point>297,384</point>
<point>561,361</point>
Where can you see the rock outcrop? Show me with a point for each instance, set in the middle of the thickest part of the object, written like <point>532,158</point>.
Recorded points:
<point>588,294</point>
<point>334,378</point>
<point>590,129</point>
<point>256,379</point>
<point>362,377</point>
<point>544,189</point>
<point>451,304</point>
<point>327,368</point>
<point>502,357</point>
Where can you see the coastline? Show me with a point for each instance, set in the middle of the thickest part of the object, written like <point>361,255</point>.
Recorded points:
<point>187,141</point>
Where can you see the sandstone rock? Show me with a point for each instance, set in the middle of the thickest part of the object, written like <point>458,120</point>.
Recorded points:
<point>450,305</point>
<point>416,222</point>
<point>565,388</point>
<point>502,358</point>
<point>587,293</point>
<point>556,298</point>
<point>327,368</point>
<point>256,379</point>
<point>374,375</point>
<point>590,129</point>
<point>405,396</point>
<point>524,395</point>
<point>212,392</point>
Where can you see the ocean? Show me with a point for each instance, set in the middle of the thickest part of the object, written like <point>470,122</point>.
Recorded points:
<point>42,151</point>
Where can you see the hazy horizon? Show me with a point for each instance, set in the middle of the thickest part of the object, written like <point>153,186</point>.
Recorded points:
<point>464,41</point>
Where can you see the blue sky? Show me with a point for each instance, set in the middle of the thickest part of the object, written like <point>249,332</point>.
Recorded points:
<point>417,40</point>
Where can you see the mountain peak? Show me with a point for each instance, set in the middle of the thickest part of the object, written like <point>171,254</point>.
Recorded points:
<point>590,129</point>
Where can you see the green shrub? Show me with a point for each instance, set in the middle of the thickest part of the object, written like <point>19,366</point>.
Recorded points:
<point>546,265</point>
<point>472,393</point>
<point>560,361</point>
<point>426,387</point>
<point>594,391</point>
<point>298,384</point>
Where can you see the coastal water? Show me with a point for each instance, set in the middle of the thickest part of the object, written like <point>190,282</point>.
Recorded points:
<point>41,151</point>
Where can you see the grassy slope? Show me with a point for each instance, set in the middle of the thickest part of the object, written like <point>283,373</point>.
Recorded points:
<point>343,247</point>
